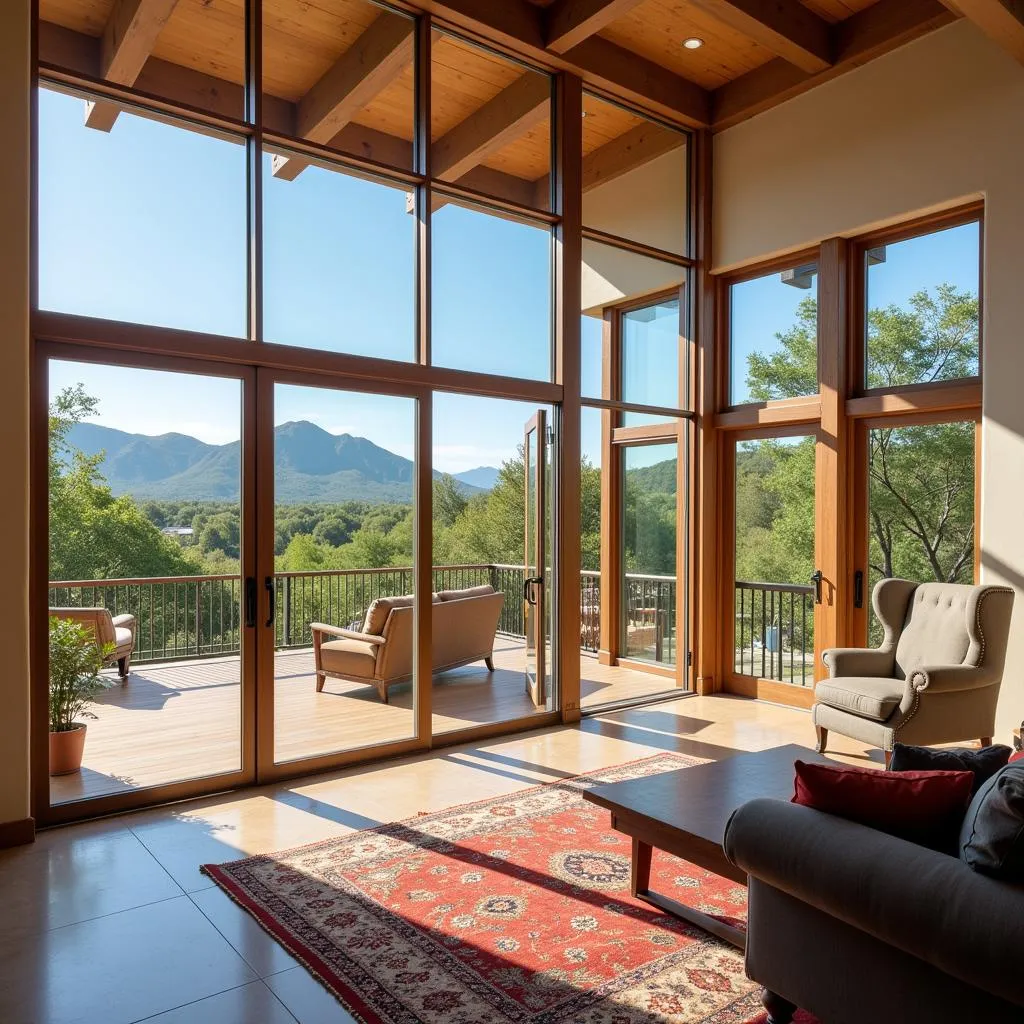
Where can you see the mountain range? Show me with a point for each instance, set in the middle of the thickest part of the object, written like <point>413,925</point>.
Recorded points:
<point>310,465</point>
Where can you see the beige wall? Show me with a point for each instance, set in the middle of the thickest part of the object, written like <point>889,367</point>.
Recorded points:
<point>937,122</point>
<point>14,299</point>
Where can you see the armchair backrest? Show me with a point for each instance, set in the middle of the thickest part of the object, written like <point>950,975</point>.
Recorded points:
<point>943,624</point>
<point>98,620</point>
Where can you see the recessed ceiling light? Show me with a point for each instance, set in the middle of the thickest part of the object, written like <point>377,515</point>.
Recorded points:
<point>693,43</point>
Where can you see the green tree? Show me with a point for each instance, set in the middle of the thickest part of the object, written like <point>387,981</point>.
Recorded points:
<point>449,500</point>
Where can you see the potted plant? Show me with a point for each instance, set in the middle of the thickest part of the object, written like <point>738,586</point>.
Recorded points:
<point>76,658</point>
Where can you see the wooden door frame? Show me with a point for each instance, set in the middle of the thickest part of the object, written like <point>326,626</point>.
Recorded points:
<point>46,814</point>
<point>536,424</point>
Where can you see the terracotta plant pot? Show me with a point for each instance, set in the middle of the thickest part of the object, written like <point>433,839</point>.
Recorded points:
<point>66,750</point>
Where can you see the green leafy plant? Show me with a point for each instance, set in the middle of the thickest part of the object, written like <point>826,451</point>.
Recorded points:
<point>76,658</point>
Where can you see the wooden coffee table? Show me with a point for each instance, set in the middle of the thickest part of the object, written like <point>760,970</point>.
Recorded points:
<point>685,813</point>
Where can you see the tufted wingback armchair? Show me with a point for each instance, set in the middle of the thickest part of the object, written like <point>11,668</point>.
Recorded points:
<point>934,678</point>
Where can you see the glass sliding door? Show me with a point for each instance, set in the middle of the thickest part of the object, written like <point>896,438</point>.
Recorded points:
<point>340,588</point>
<point>147,582</point>
<point>534,557</point>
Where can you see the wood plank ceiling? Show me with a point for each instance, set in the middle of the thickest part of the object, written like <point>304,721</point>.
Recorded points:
<point>340,72</point>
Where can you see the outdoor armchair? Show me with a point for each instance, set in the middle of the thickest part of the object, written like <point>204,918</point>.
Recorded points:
<point>118,630</point>
<point>934,678</point>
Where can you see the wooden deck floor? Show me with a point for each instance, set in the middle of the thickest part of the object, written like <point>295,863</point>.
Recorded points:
<point>180,721</point>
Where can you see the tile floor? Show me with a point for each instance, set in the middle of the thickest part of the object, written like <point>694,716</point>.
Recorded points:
<point>111,922</point>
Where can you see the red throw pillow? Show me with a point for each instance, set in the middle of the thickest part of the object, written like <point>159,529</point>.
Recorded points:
<point>924,807</point>
<point>1017,756</point>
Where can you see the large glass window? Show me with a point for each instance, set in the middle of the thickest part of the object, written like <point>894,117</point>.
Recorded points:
<point>339,259</point>
<point>650,354</point>
<point>146,223</point>
<point>491,293</point>
<point>490,123</point>
<point>922,308</point>
<point>634,177</point>
<point>921,499</point>
<point>773,336</point>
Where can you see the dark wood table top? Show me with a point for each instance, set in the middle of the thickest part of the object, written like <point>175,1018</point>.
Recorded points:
<point>700,800</point>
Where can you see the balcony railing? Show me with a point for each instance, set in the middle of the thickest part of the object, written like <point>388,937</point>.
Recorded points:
<point>650,607</point>
<point>775,631</point>
<point>201,616</point>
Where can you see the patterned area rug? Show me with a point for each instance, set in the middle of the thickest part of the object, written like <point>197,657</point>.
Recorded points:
<point>513,909</point>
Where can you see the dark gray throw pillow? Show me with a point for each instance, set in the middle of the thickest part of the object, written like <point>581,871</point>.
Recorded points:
<point>983,763</point>
<point>992,834</point>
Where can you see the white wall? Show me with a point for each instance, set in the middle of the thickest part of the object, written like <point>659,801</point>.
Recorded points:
<point>933,124</point>
<point>14,300</point>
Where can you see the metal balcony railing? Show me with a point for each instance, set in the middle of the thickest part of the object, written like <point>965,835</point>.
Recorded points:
<point>774,636</point>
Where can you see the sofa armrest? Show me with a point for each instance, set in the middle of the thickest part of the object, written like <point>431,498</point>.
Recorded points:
<point>928,904</point>
<point>346,634</point>
<point>125,622</point>
<point>942,678</point>
<point>857,661</point>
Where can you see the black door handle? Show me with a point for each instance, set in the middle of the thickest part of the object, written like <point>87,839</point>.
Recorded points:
<point>858,589</point>
<point>816,577</point>
<point>250,602</point>
<point>272,591</point>
<point>528,588</point>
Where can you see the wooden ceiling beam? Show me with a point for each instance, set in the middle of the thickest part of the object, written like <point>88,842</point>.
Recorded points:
<point>787,28</point>
<point>380,54</point>
<point>129,37</point>
<point>638,146</point>
<point>1001,20</point>
<point>569,22</point>
<point>514,111</point>
<point>870,33</point>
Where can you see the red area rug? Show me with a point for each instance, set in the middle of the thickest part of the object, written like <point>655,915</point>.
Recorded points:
<point>513,909</point>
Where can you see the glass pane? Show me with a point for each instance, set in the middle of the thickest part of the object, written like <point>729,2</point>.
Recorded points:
<point>339,264</point>
<point>490,123</point>
<point>934,539</point>
<point>145,224</point>
<point>634,177</point>
<point>194,58</point>
<point>774,631</point>
<point>649,555</point>
<point>612,277</point>
<point>343,525</point>
<point>922,308</point>
<point>340,73</point>
<point>773,336</point>
<point>145,541</point>
<point>491,304</point>
<point>651,338</point>
<point>488,516</point>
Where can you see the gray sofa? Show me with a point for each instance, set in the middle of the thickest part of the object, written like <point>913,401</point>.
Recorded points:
<point>854,925</point>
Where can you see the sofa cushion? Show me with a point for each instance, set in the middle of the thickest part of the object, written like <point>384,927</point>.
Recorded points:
<point>867,696</point>
<point>122,637</point>
<point>983,763</point>
<point>461,595</point>
<point>349,657</point>
<point>992,834</point>
<point>378,612</point>
<point>923,807</point>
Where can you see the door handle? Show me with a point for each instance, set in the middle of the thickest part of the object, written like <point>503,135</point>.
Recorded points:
<point>528,584</point>
<point>816,578</point>
<point>272,592</point>
<point>858,589</point>
<point>250,602</point>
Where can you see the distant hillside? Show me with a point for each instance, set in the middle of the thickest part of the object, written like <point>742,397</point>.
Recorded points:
<point>483,477</point>
<point>657,479</point>
<point>310,465</point>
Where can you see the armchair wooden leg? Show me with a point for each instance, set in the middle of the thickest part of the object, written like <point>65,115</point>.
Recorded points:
<point>888,759</point>
<point>986,741</point>
<point>122,667</point>
<point>489,662</point>
<point>780,1011</point>
<point>382,689</point>
<point>822,738</point>
<point>320,680</point>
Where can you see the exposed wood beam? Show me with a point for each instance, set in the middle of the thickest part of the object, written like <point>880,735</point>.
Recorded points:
<point>638,146</point>
<point>569,22</point>
<point>1001,20</point>
<point>515,110</point>
<point>366,68</point>
<point>129,36</point>
<point>871,33</point>
<point>787,28</point>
